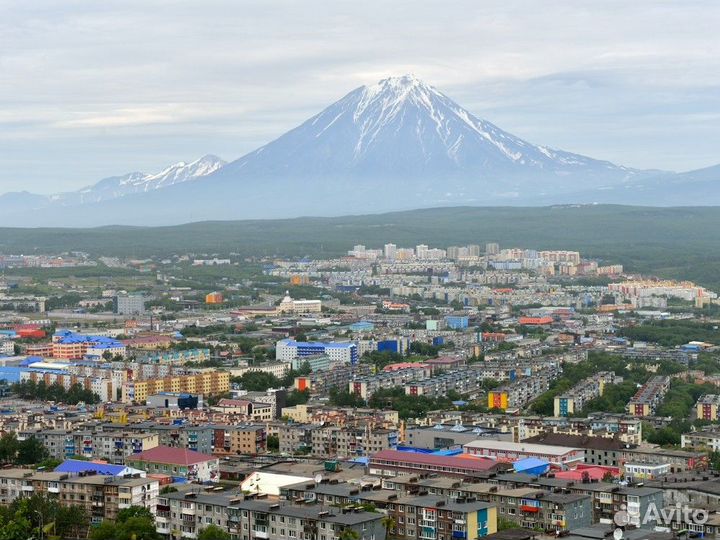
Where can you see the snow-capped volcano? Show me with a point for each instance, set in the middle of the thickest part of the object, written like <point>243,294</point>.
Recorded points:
<point>401,126</point>
<point>397,144</point>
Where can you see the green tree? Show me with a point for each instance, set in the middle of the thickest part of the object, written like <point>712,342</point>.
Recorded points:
<point>213,532</point>
<point>297,397</point>
<point>343,398</point>
<point>134,512</point>
<point>8,447</point>
<point>132,528</point>
<point>348,534</point>
<point>273,443</point>
<point>70,521</point>
<point>31,451</point>
<point>390,524</point>
<point>258,381</point>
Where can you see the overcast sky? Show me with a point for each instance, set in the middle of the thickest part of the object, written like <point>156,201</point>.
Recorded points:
<point>97,88</point>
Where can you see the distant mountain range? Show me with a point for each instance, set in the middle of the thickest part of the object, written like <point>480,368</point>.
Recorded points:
<point>394,145</point>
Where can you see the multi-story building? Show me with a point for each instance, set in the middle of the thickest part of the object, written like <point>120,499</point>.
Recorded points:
<point>105,388</point>
<point>506,451</point>
<point>182,463</point>
<point>176,357</point>
<point>679,460</point>
<point>101,496</point>
<point>627,429</point>
<point>605,498</point>
<point>288,305</point>
<point>433,517</point>
<point>519,393</point>
<point>256,518</point>
<point>128,304</point>
<point>275,397</point>
<point>118,446</point>
<point>321,382</point>
<point>705,439</point>
<point>707,407</point>
<point>391,463</point>
<point>206,383</point>
<point>295,438</point>
<point>256,412</point>
<point>185,514</point>
<point>574,400</point>
<point>602,451</point>
<point>366,386</point>
<point>466,381</point>
<point>287,350</point>
<point>71,346</point>
<point>649,396</point>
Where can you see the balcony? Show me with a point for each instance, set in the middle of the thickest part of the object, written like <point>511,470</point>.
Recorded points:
<point>259,533</point>
<point>27,488</point>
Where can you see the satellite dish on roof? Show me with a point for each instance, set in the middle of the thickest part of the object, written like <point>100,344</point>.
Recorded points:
<point>318,478</point>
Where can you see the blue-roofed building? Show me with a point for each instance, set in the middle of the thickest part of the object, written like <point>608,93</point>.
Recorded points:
<point>78,466</point>
<point>287,350</point>
<point>531,465</point>
<point>362,326</point>
<point>11,374</point>
<point>69,345</point>
<point>30,360</point>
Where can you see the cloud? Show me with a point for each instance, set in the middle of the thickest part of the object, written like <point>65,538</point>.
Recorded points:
<point>90,89</point>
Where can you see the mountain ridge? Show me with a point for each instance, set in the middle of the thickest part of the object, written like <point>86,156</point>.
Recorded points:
<point>395,145</point>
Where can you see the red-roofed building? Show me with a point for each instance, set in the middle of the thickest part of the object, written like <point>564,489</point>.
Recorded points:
<point>535,321</point>
<point>394,463</point>
<point>583,472</point>
<point>177,462</point>
<point>446,362</point>
<point>404,365</point>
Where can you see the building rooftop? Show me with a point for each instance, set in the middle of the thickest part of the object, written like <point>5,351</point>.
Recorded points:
<point>173,456</point>
<point>545,449</point>
<point>472,464</point>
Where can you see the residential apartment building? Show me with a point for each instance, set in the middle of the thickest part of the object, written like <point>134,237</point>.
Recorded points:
<point>707,407</point>
<point>649,396</point>
<point>588,389</point>
<point>207,383</point>
<point>176,462</point>
<point>101,496</point>
<point>185,514</point>
<point>256,518</point>
<point>704,439</point>
<point>252,411</point>
<point>517,394</point>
